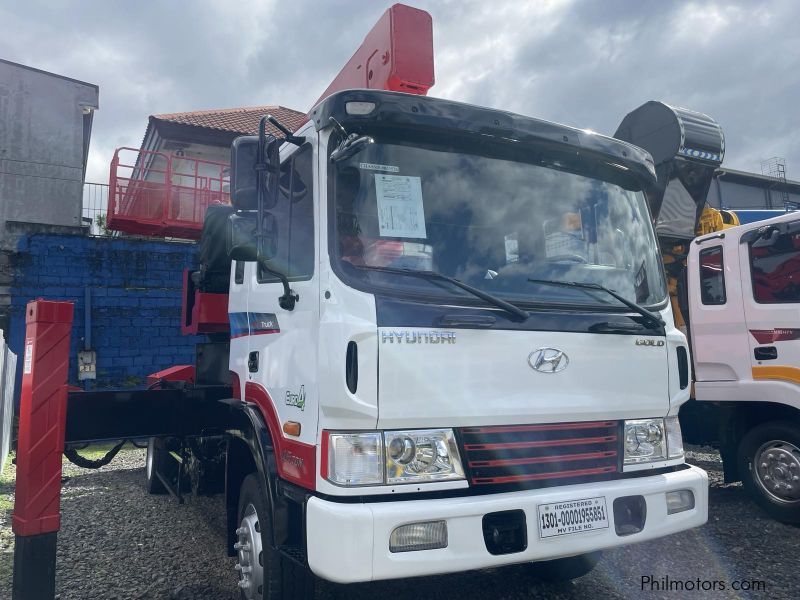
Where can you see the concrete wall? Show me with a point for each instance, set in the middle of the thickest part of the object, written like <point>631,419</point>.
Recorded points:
<point>135,288</point>
<point>45,124</point>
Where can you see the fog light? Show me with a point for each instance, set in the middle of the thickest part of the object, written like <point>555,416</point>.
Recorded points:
<point>679,501</point>
<point>419,536</point>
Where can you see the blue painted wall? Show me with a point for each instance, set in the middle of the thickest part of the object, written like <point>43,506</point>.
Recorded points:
<point>136,289</point>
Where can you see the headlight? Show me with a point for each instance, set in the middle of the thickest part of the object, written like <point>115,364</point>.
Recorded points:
<point>674,437</point>
<point>375,458</point>
<point>355,458</point>
<point>645,441</point>
<point>422,455</point>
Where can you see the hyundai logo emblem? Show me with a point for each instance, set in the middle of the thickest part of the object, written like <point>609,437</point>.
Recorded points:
<point>548,360</point>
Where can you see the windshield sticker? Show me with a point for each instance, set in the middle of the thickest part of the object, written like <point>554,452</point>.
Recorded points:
<point>512,248</point>
<point>375,167</point>
<point>400,210</point>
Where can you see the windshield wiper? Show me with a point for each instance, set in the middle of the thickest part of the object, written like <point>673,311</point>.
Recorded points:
<point>516,311</point>
<point>653,321</point>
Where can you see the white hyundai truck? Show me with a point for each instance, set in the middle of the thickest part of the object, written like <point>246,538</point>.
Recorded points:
<point>453,345</point>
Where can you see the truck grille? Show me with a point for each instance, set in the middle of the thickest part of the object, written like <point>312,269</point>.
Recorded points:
<point>529,456</point>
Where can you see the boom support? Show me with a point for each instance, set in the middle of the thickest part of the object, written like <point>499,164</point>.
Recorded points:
<point>396,55</point>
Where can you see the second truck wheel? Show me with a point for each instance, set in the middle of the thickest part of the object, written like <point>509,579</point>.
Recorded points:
<point>769,461</point>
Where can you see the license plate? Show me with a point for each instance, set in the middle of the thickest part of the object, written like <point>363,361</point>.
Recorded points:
<point>572,516</point>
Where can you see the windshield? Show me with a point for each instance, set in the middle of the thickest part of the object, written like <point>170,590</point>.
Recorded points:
<point>492,217</point>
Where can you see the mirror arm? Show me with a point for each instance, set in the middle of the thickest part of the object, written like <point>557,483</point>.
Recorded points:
<point>288,135</point>
<point>290,297</point>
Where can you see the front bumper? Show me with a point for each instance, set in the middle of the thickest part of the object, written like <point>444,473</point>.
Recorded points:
<point>348,543</point>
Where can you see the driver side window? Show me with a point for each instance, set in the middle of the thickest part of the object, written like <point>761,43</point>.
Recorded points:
<point>294,215</point>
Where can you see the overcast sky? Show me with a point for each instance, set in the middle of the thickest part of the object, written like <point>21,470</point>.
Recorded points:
<point>581,62</point>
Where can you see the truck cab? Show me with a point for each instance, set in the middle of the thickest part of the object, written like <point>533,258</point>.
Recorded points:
<point>744,303</point>
<point>452,347</point>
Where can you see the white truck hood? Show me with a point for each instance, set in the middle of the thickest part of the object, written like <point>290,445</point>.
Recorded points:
<point>468,377</point>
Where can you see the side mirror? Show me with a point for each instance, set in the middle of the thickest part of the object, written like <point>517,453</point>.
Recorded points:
<point>244,179</point>
<point>244,175</point>
<point>242,238</point>
<point>350,146</point>
<point>767,238</point>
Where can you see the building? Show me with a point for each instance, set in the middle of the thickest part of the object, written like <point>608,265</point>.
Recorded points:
<point>739,190</point>
<point>45,128</point>
<point>208,134</point>
<point>164,187</point>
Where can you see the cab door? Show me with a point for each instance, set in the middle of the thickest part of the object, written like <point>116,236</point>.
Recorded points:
<point>719,335</point>
<point>770,271</point>
<point>282,344</point>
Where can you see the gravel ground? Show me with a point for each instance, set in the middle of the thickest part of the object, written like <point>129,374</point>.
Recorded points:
<point>117,542</point>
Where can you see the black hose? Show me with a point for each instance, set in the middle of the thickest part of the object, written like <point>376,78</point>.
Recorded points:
<point>76,459</point>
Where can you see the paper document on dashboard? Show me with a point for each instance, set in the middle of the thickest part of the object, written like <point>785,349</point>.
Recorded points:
<point>400,209</point>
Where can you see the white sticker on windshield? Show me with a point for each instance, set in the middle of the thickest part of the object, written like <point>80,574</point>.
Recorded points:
<point>512,248</point>
<point>400,209</point>
<point>376,167</point>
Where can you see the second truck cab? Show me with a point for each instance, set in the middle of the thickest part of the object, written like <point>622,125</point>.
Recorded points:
<point>743,302</point>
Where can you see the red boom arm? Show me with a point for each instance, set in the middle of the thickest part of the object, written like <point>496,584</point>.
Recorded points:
<point>396,55</point>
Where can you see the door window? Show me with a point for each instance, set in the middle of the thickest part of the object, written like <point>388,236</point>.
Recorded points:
<point>294,216</point>
<point>712,276</point>
<point>775,270</point>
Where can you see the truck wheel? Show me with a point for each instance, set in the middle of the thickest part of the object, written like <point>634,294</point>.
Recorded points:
<point>769,463</point>
<point>566,569</point>
<point>263,573</point>
<point>154,462</point>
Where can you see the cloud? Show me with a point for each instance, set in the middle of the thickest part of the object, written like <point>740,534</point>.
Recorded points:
<point>580,62</point>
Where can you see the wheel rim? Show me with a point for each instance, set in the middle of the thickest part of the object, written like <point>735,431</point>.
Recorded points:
<point>250,562</point>
<point>777,471</point>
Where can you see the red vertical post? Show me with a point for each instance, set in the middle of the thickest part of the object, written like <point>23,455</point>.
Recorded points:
<point>42,420</point>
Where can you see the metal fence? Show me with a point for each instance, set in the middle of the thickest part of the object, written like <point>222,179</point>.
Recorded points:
<point>8,370</point>
<point>95,205</point>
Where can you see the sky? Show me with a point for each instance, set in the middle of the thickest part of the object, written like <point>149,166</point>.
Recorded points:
<point>584,63</point>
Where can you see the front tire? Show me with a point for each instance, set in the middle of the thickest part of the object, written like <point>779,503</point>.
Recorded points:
<point>769,463</point>
<point>566,569</point>
<point>264,574</point>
